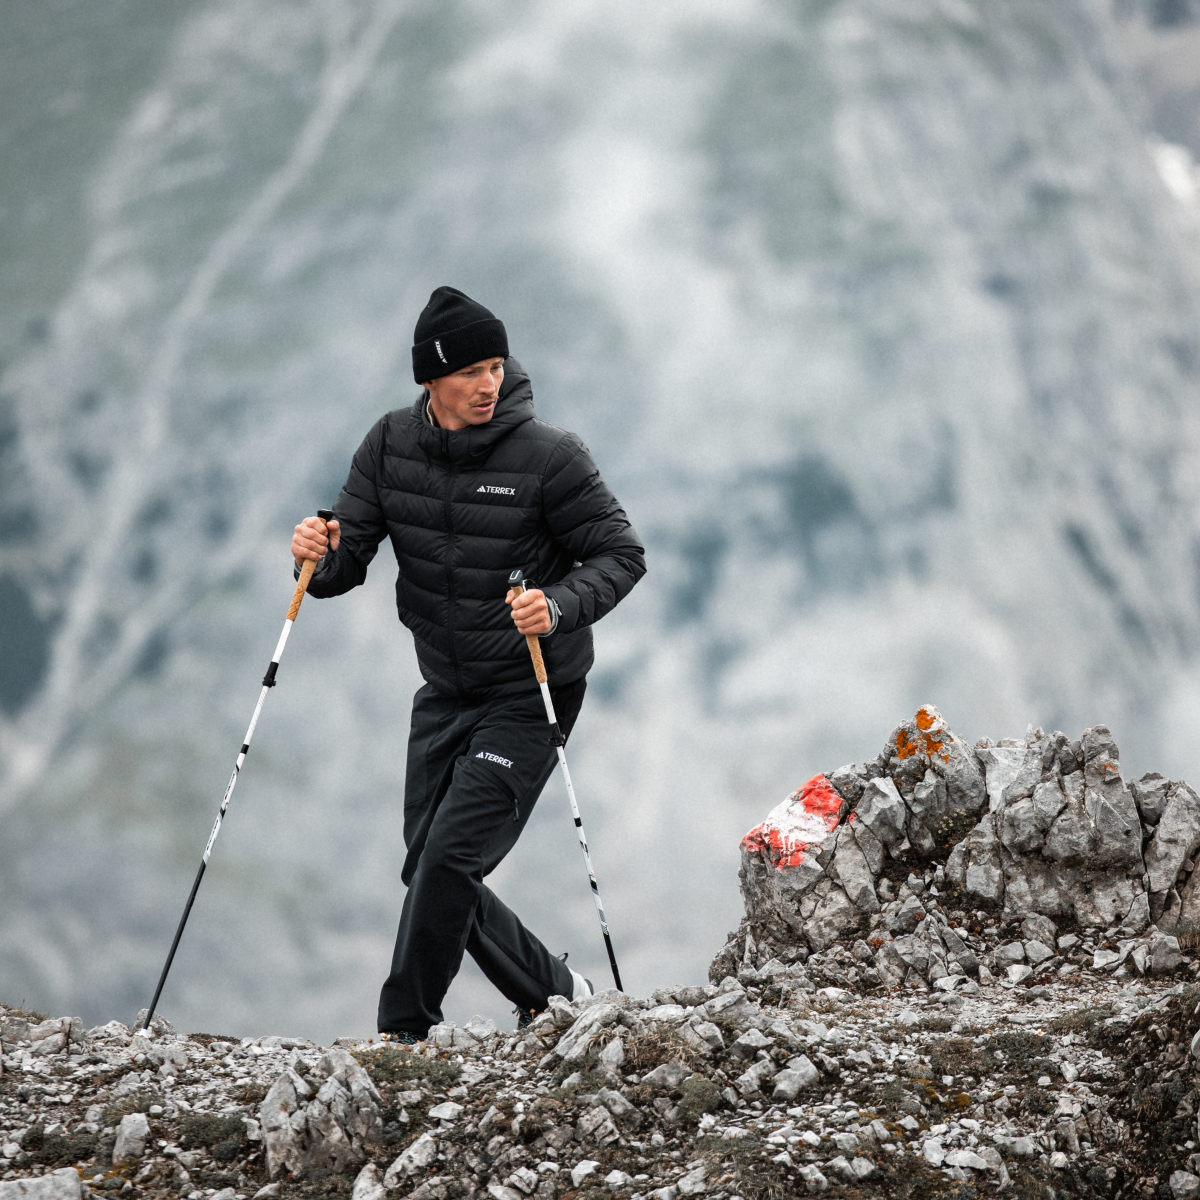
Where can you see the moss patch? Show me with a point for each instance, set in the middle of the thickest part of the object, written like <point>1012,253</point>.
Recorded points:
<point>223,1136</point>
<point>697,1097</point>
<point>397,1069</point>
<point>135,1102</point>
<point>59,1149</point>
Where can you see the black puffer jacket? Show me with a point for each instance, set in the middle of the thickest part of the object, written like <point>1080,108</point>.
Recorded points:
<point>464,508</point>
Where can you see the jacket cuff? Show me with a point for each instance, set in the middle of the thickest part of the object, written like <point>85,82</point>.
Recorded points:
<point>564,608</point>
<point>555,614</point>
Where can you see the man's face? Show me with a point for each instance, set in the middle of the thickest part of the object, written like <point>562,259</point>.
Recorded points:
<point>468,396</point>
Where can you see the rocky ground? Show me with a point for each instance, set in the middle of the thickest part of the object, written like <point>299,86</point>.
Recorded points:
<point>961,971</point>
<point>1072,1076</point>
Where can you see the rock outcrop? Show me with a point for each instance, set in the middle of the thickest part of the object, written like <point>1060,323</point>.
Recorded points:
<point>1043,827</point>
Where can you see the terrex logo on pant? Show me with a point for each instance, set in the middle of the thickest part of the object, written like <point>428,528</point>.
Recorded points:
<point>490,757</point>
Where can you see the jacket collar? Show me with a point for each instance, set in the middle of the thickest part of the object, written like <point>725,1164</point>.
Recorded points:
<point>514,407</point>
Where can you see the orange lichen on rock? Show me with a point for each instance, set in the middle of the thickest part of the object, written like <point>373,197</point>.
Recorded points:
<point>808,815</point>
<point>931,734</point>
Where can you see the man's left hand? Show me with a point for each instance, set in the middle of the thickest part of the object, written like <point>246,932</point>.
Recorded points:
<point>530,611</point>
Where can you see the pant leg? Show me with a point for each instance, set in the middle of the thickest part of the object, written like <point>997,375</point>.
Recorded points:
<point>474,774</point>
<point>515,961</point>
<point>509,955</point>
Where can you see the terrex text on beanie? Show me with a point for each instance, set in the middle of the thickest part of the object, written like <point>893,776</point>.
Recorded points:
<point>454,331</point>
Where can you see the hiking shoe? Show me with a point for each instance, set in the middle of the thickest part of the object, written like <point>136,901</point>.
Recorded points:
<point>401,1037</point>
<point>525,1016</point>
<point>582,988</point>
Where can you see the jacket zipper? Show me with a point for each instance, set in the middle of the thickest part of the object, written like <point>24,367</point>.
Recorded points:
<point>450,594</point>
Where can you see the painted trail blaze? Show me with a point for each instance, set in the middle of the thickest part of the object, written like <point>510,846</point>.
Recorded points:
<point>808,815</point>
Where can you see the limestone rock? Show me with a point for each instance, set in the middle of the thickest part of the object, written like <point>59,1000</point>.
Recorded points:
<point>322,1121</point>
<point>495,1117</point>
<point>1042,829</point>
<point>976,866</point>
<point>1012,771</point>
<point>1175,840</point>
<point>63,1184</point>
<point>282,1121</point>
<point>930,953</point>
<point>132,1133</point>
<point>881,810</point>
<point>1184,1185</point>
<point>411,1161</point>
<point>1150,795</point>
<point>53,1036</point>
<point>809,872</point>
<point>368,1184</point>
<point>584,1032</point>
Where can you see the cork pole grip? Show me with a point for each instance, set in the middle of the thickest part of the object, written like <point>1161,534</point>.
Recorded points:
<point>517,584</point>
<point>301,587</point>
<point>306,572</point>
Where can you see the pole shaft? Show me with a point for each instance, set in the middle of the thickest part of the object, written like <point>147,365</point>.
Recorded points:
<point>216,829</point>
<point>587,861</point>
<point>539,669</point>
<point>306,572</point>
<point>187,908</point>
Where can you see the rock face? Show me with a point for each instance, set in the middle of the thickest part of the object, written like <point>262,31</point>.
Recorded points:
<point>1045,826</point>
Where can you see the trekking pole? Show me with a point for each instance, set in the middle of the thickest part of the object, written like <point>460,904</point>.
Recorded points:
<point>268,682</point>
<point>516,581</point>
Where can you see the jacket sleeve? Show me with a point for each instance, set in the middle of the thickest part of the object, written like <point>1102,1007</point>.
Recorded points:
<point>360,515</point>
<point>585,518</point>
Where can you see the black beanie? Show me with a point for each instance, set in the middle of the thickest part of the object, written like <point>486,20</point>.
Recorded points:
<point>454,331</point>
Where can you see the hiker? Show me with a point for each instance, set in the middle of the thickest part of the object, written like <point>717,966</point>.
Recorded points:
<point>468,485</point>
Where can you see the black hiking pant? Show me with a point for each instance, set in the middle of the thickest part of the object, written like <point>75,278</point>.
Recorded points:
<point>475,770</point>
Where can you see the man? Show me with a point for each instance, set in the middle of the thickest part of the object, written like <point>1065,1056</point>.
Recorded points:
<point>467,484</point>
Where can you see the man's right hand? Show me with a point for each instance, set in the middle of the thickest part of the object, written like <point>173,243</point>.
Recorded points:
<point>312,538</point>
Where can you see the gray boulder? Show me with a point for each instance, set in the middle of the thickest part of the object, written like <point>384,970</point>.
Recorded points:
<point>1012,770</point>
<point>1109,803</point>
<point>881,811</point>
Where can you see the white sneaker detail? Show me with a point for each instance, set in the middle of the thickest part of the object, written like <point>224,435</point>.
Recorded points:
<point>582,988</point>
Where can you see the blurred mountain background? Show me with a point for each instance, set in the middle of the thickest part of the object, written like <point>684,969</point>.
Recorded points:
<point>880,316</point>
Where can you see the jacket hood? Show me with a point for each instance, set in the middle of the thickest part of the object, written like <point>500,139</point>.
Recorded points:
<point>514,407</point>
